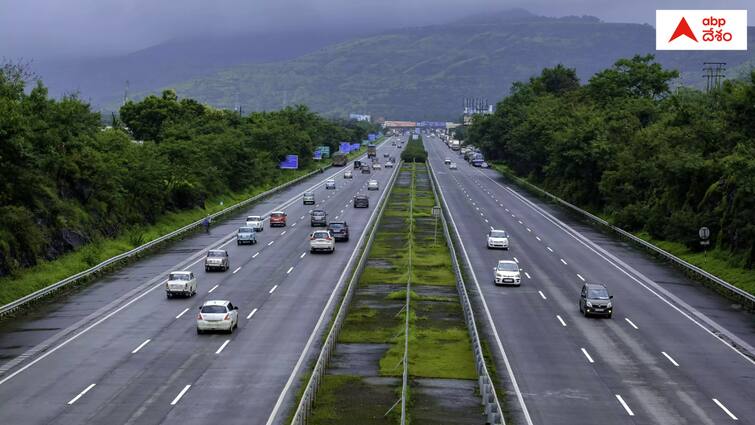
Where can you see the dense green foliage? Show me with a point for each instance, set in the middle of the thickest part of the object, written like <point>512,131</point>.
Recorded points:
<point>66,181</point>
<point>425,72</point>
<point>414,151</point>
<point>627,147</point>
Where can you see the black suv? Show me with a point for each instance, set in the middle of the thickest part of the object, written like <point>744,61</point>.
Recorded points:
<point>361,201</point>
<point>339,230</point>
<point>357,165</point>
<point>595,300</point>
<point>318,218</point>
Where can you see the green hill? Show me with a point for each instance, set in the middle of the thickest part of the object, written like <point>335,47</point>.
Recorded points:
<point>425,72</point>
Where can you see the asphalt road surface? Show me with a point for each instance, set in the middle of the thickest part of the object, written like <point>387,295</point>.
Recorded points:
<point>664,358</point>
<point>120,352</point>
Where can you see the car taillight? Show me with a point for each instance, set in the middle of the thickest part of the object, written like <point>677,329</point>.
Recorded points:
<point>227,317</point>
<point>199,316</point>
<point>328,238</point>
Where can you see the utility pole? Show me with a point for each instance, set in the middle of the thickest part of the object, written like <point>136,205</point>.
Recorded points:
<point>714,73</point>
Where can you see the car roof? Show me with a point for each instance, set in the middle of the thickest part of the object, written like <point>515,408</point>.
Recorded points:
<point>180,272</point>
<point>246,228</point>
<point>254,217</point>
<point>595,285</point>
<point>277,212</point>
<point>497,230</point>
<point>506,261</point>
<point>216,302</point>
<point>360,196</point>
<point>337,222</point>
<point>219,251</point>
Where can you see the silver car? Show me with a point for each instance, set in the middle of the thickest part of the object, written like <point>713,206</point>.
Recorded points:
<point>330,184</point>
<point>181,283</point>
<point>507,272</point>
<point>217,315</point>
<point>217,259</point>
<point>246,235</point>
<point>348,175</point>
<point>373,185</point>
<point>308,198</point>
<point>498,239</point>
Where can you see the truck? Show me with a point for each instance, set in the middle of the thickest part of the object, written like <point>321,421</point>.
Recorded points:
<point>371,151</point>
<point>455,145</point>
<point>339,159</point>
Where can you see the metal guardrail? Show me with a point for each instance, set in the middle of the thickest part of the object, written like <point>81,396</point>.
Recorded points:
<point>10,307</point>
<point>308,397</point>
<point>492,406</point>
<point>725,287</point>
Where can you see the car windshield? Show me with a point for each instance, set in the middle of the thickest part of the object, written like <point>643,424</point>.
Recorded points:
<point>216,254</point>
<point>508,267</point>
<point>213,309</point>
<point>179,276</point>
<point>597,293</point>
<point>497,234</point>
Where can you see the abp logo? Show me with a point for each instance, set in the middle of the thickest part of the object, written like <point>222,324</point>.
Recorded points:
<point>701,30</point>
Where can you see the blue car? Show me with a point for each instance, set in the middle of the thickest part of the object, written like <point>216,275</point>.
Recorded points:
<point>246,235</point>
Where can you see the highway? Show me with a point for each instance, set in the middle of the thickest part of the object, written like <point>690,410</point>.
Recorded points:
<point>664,358</point>
<point>119,352</point>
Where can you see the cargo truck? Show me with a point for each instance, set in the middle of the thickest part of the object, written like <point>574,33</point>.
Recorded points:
<point>339,159</point>
<point>371,151</point>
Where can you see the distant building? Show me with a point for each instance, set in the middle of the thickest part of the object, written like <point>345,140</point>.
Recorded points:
<point>476,106</point>
<point>359,117</point>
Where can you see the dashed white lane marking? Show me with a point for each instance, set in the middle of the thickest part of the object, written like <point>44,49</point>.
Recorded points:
<point>624,405</point>
<point>136,350</point>
<point>549,248</point>
<point>182,313</point>
<point>528,275</point>
<point>529,230</point>
<point>293,225</point>
<point>302,217</point>
<point>181,394</point>
<point>631,323</point>
<point>341,211</point>
<point>481,214</point>
<point>580,277</point>
<point>81,394</point>
<point>562,260</point>
<point>542,295</point>
<point>538,238</point>
<point>272,289</point>
<point>284,232</point>
<point>515,260</point>
<point>255,255</point>
<point>589,359</point>
<point>507,210</point>
<point>486,220</point>
<point>213,288</point>
<point>251,314</point>
<point>520,221</point>
<point>289,269</point>
<point>222,346</point>
<point>270,243</point>
<point>237,270</point>
<point>673,362</point>
<point>561,320</point>
<point>727,411</point>
<point>302,255</point>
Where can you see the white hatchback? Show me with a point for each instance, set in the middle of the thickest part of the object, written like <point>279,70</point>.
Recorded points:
<point>498,239</point>
<point>330,184</point>
<point>322,240</point>
<point>373,185</point>
<point>452,166</point>
<point>507,273</point>
<point>217,315</point>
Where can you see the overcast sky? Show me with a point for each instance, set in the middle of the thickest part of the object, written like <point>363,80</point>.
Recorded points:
<point>38,29</point>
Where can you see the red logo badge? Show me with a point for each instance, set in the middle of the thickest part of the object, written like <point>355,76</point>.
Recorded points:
<point>683,29</point>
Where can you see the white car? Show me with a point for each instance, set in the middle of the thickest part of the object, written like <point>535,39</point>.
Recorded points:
<point>322,240</point>
<point>255,222</point>
<point>389,164</point>
<point>182,283</point>
<point>330,184</point>
<point>217,315</point>
<point>373,185</point>
<point>484,165</point>
<point>376,166</point>
<point>348,175</point>
<point>507,272</point>
<point>498,239</point>
<point>452,166</point>
<point>447,161</point>
<point>217,259</point>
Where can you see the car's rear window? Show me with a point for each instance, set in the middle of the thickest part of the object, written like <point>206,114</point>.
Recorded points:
<point>213,309</point>
<point>276,215</point>
<point>320,235</point>
<point>246,230</point>
<point>216,254</point>
<point>253,218</point>
<point>336,225</point>
<point>179,276</point>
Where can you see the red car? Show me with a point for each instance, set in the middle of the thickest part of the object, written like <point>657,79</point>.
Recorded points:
<point>278,218</point>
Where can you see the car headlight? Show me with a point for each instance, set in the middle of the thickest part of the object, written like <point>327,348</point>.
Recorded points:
<point>518,276</point>
<point>588,303</point>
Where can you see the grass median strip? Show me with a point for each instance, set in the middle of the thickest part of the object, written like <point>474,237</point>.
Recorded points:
<point>363,380</point>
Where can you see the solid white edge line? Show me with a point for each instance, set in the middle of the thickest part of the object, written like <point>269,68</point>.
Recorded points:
<point>561,320</point>
<point>589,359</point>
<point>673,362</point>
<point>727,411</point>
<point>295,371</point>
<point>542,295</point>
<point>86,390</point>
<point>251,314</point>
<point>181,394</point>
<point>213,288</point>
<point>219,350</point>
<point>182,313</point>
<point>624,405</point>
<point>631,323</point>
<point>489,317</point>
<point>136,350</point>
<point>237,270</point>
<point>640,278</point>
